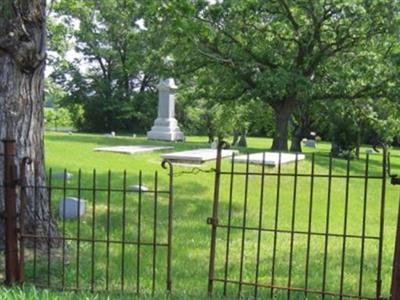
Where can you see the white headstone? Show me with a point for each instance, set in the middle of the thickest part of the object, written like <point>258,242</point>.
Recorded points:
<point>269,158</point>
<point>166,126</point>
<point>310,143</point>
<point>61,175</point>
<point>214,145</point>
<point>74,207</point>
<point>369,151</point>
<point>138,188</point>
<point>197,156</point>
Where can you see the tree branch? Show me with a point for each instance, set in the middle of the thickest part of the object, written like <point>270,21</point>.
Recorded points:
<point>290,16</point>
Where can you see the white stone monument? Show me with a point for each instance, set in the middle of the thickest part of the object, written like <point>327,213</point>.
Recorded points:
<point>166,126</point>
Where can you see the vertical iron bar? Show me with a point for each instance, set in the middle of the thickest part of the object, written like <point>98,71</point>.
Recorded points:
<point>155,231</point>
<point>93,229</point>
<point>260,220</point>
<point>382,225</point>
<point>278,188</point>
<point>123,233</point>
<point>10,194</point>
<point>139,234</point>
<point>327,222</point>
<point>49,188</point>
<point>214,219</point>
<point>293,224</point>
<point>310,221</point>
<point>63,229</point>
<point>395,287</point>
<point>242,248</point>
<point>170,226</point>
<point>364,217</point>
<point>228,232</point>
<point>78,230</point>
<point>108,230</point>
<point>346,207</point>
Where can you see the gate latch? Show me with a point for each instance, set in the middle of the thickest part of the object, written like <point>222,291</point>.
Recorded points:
<point>212,221</point>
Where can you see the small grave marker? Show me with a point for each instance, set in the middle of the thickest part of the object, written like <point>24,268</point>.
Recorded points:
<point>138,188</point>
<point>60,175</point>
<point>74,207</point>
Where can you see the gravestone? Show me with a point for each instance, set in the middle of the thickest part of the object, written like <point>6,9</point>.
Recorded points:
<point>73,208</point>
<point>138,188</point>
<point>310,143</point>
<point>198,156</point>
<point>60,175</point>
<point>166,126</point>
<point>132,149</point>
<point>369,151</point>
<point>269,158</point>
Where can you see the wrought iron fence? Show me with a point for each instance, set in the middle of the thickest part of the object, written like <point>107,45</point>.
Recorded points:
<point>310,230</point>
<point>95,232</point>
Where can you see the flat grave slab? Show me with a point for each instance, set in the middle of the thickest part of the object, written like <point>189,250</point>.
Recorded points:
<point>133,149</point>
<point>271,158</point>
<point>197,156</point>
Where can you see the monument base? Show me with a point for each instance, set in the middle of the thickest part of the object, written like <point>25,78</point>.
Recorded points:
<point>166,130</point>
<point>166,136</point>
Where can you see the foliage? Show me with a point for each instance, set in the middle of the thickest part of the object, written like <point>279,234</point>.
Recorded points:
<point>206,115</point>
<point>112,77</point>
<point>348,124</point>
<point>281,52</point>
<point>57,118</point>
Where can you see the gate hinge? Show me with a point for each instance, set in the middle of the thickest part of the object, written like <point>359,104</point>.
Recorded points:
<point>212,221</point>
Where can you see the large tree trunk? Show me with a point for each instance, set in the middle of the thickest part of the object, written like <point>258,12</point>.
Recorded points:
<point>22,63</point>
<point>301,123</point>
<point>283,111</point>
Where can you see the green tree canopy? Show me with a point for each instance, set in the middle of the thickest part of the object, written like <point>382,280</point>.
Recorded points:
<point>281,52</point>
<point>113,76</point>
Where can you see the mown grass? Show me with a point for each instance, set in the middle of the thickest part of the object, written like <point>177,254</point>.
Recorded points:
<point>192,205</point>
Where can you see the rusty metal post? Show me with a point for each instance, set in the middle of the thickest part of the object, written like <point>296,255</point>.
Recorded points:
<point>213,221</point>
<point>382,223</point>
<point>395,290</point>
<point>166,164</point>
<point>10,201</point>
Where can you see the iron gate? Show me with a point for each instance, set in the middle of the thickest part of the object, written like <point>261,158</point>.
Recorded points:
<point>295,230</point>
<point>118,239</point>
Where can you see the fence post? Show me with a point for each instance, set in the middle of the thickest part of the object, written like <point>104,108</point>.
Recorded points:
<point>213,221</point>
<point>167,164</point>
<point>10,203</point>
<point>395,290</point>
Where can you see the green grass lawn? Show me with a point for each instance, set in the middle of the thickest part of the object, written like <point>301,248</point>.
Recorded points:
<point>192,206</point>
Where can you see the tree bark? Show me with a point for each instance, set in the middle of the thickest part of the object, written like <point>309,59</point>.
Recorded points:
<point>301,123</point>
<point>236,136</point>
<point>243,138</point>
<point>283,111</point>
<point>297,137</point>
<point>22,63</point>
